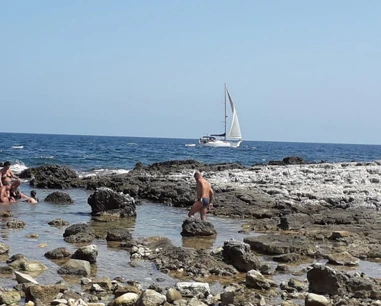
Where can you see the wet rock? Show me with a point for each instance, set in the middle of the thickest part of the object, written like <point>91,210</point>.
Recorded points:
<point>173,295</point>
<point>75,267</point>
<point>118,234</point>
<point>43,294</point>
<point>290,257</point>
<point>58,253</point>
<point>52,176</point>
<point>58,197</point>
<point>6,214</point>
<point>316,300</point>
<point>281,244</point>
<point>343,259</point>
<point>325,280</point>
<point>107,200</point>
<point>256,280</point>
<point>4,249</point>
<point>297,284</point>
<point>193,289</point>
<point>6,270</point>
<point>14,223</point>
<point>23,278</point>
<point>127,299</point>
<point>196,227</point>
<point>77,233</point>
<point>10,297</point>
<point>239,255</point>
<point>151,298</point>
<point>58,222</point>
<point>89,253</point>
<point>295,221</point>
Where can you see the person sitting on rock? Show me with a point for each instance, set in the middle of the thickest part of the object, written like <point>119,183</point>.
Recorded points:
<point>8,178</point>
<point>5,195</point>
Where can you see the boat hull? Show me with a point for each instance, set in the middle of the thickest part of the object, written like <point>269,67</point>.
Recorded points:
<point>221,144</point>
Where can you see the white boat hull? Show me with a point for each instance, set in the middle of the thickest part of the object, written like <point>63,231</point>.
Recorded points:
<point>221,144</point>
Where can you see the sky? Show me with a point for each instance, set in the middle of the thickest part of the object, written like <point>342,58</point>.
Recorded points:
<point>298,71</point>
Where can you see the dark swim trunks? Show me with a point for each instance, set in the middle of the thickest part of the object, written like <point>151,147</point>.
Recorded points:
<point>204,201</point>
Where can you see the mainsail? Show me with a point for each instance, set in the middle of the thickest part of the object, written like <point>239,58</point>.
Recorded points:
<point>235,130</point>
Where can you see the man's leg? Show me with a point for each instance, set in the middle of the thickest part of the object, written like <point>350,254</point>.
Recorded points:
<point>203,212</point>
<point>195,208</point>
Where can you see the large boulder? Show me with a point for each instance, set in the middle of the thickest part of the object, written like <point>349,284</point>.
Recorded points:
<point>89,253</point>
<point>58,197</point>
<point>196,227</point>
<point>239,255</point>
<point>75,267</point>
<point>51,176</point>
<point>106,200</point>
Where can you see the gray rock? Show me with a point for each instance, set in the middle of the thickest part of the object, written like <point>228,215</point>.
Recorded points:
<point>75,267</point>
<point>193,289</point>
<point>58,197</point>
<point>118,234</point>
<point>24,278</point>
<point>239,255</point>
<point>151,298</point>
<point>195,227</point>
<point>4,249</point>
<point>343,259</point>
<point>58,222</point>
<point>58,253</point>
<point>316,300</point>
<point>89,253</point>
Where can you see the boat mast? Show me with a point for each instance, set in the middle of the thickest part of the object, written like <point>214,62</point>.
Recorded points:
<point>225,109</point>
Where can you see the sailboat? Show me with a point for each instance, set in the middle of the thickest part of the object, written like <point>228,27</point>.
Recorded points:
<point>234,137</point>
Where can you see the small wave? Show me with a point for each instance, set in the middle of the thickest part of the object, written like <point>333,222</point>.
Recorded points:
<point>102,172</point>
<point>46,157</point>
<point>18,167</point>
<point>190,144</point>
<point>17,147</point>
<point>132,143</point>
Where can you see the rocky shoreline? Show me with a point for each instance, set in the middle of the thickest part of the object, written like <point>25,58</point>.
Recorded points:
<point>316,221</point>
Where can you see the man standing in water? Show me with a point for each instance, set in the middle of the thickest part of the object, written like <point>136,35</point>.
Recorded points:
<point>204,197</point>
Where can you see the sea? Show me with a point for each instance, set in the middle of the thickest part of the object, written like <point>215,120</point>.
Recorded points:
<point>92,155</point>
<point>102,154</point>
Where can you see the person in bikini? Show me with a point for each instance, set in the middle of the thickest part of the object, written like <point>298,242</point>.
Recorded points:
<point>8,178</point>
<point>5,194</point>
<point>204,197</point>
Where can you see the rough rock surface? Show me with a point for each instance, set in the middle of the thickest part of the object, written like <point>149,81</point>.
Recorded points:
<point>107,200</point>
<point>58,197</point>
<point>196,227</point>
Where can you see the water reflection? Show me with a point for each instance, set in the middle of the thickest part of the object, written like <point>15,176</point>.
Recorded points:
<point>199,242</point>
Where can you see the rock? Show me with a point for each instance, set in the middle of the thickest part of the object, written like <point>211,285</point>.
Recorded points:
<point>339,234</point>
<point>58,197</point>
<point>6,270</point>
<point>290,257</point>
<point>24,278</point>
<point>118,234</point>
<point>127,299</point>
<point>43,294</point>
<point>151,298</point>
<point>239,255</point>
<point>293,160</point>
<point>316,300</point>
<point>14,223</point>
<point>256,280</point>
<point>227,296</point>
<point>75,267</point>
<point>89,253</point>
<point>58,253</point>
<point>193,289</point>
<point>58,222</point>
<point>52,176</point>
<point>32,266</point>
<point>343,259</point>
<point>295,221</point>
<point>195,227</point>
<point>327,281</point>
<point>10,297</point>
<point>4,249</point>
<point>78,233</point>
<point>106,200</point>
<point>173,295</point>
<point>6,214</point>
<point>281,244</point>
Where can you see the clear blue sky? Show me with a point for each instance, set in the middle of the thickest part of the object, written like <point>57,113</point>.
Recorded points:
<point>306,71</point>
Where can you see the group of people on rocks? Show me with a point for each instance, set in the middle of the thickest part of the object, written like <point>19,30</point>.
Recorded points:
<point>9,184</point>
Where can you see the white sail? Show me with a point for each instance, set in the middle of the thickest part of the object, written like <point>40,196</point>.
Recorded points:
<point>235,130</point>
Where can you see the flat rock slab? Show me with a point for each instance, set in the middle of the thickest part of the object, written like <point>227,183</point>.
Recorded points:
<point>281,244</point>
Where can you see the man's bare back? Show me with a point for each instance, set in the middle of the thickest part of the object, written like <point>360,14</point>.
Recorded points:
<point>205,196</point>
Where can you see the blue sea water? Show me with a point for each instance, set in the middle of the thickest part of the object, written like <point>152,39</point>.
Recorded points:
<point>87,154</point>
